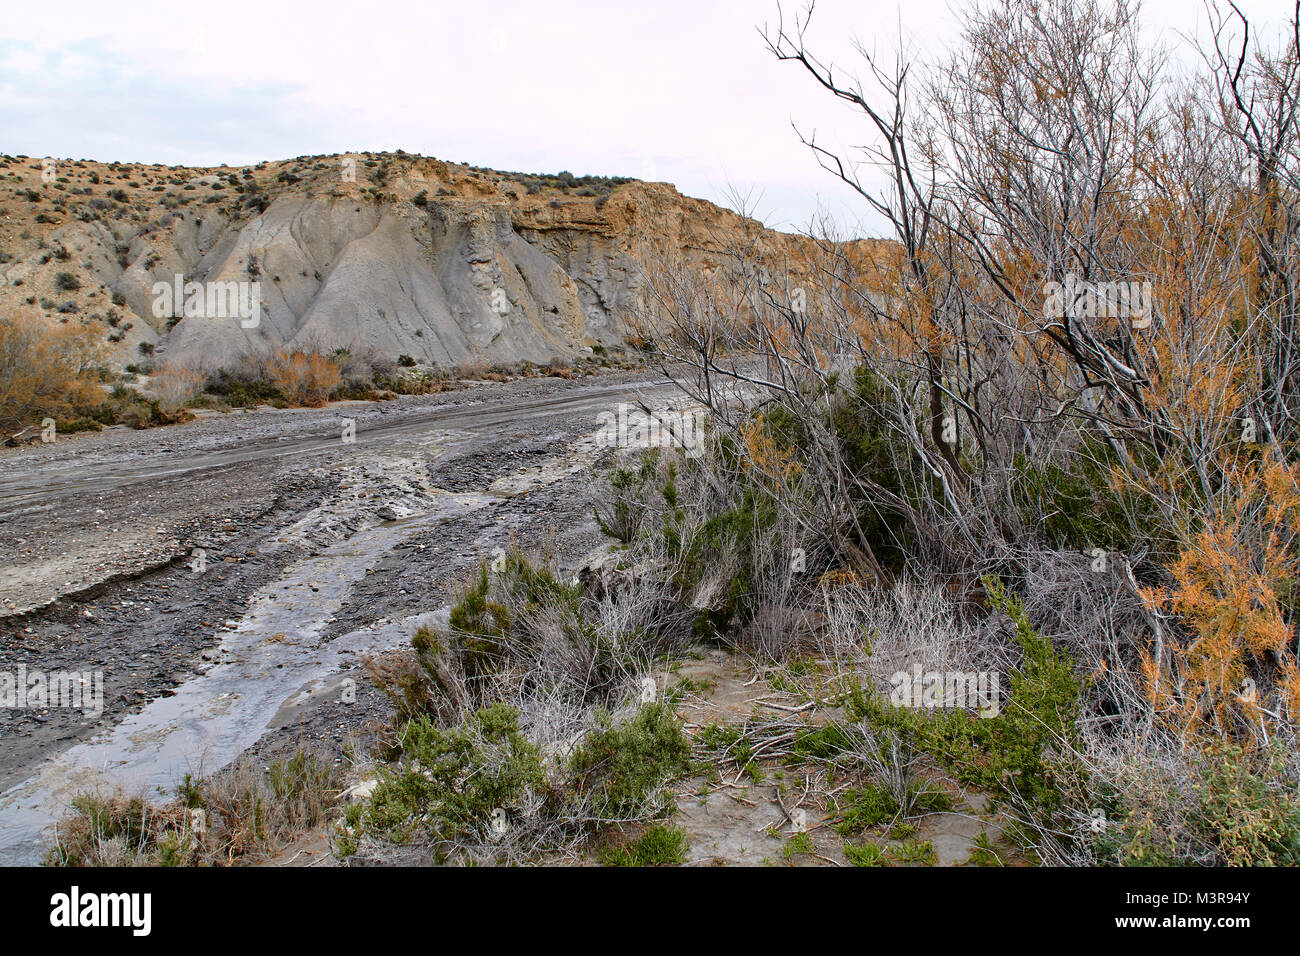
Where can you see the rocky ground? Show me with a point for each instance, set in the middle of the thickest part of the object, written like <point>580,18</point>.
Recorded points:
<point>315,552</point>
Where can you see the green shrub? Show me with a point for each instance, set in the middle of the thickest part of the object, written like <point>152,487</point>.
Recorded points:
<point>1253,822</point>
<point>1242,811</point>
<point>866,807</point>
<point>1075,507</point>
<point>645,500</point>
<point>452,782</point>
<point>482,620</point>
<point>241,391</point>
<point>620,766</point>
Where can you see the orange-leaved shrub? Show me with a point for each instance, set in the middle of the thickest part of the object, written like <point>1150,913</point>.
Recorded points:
<point>1233,589</point>
<point>304,378</point>
<point>46,369</point>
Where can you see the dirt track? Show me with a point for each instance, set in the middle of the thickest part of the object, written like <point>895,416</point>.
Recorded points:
<point>315,552</point>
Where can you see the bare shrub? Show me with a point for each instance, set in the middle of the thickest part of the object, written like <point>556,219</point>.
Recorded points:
<point>871,634</point>
<point>359,365</point>
<point>304,378</point>
<point>237,816</point>
<point>46,369</point>
<point>475,369</point>
<point>176,385</point>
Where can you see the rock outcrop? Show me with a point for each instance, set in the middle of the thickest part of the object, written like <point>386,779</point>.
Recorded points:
<point>395,253</point>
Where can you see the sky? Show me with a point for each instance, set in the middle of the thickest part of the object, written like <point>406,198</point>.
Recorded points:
<point>681,91</point>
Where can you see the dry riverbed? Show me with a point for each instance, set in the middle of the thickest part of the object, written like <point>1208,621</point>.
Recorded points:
<point>228,576</point>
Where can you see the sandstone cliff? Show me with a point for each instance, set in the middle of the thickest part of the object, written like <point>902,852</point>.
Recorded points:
<point>392,252</point>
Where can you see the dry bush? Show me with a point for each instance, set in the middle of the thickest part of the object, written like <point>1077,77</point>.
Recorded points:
<point>258,811</point>
<point>1233,590</point>
<point>46,369</point>
<point>932,406</point>
<point>237,816</point>
<point>560,368</point>
<point>361,365</point>
<point>307,379</point>
<point>872,633</point>
<point>475,369</point>
<point>176,386</point>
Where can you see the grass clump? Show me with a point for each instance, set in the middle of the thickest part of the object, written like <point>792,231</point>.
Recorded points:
<point>915,851</point>
<point>866,807</point>
<point>658,846</point>
<point>864,854</point>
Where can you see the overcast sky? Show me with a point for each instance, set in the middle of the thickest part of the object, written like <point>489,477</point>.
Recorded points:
<point>675,90</point>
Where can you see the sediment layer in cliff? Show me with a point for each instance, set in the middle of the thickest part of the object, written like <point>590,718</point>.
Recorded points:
<point>394,253</point>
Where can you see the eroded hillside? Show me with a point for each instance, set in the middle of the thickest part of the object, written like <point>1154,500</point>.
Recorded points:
<point>401,254</point>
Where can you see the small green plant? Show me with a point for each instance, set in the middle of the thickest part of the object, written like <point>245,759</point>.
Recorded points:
<point>866,807</point>
<point>983,852</point>
<point>658,846</point>
<point>797,845</point>
<point>902,831</point>
<point>864,854</point>
<point>915,851</point>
